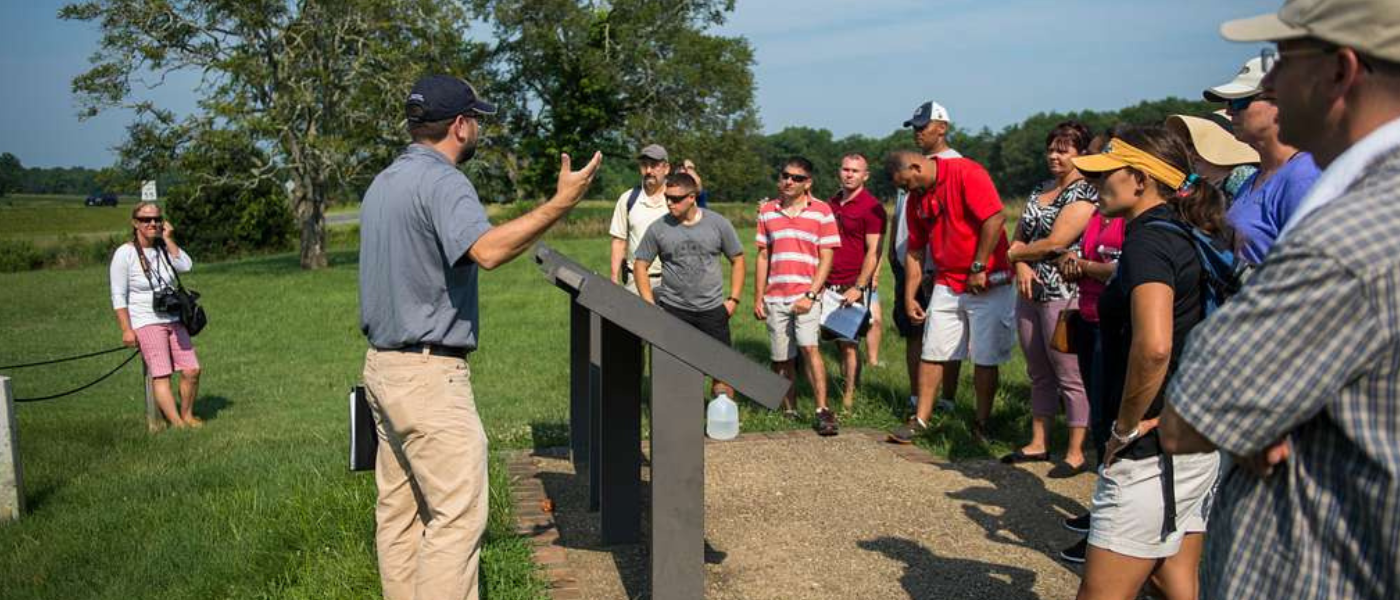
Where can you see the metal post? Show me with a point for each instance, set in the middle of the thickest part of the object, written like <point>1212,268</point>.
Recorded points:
<point>619,466</point>
<point>11,475</point>
<point>677,479</point>
<point>578,383</point>
<point>154,420</point>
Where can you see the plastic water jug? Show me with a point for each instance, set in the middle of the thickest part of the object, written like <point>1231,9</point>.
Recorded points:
<point>722,418</point>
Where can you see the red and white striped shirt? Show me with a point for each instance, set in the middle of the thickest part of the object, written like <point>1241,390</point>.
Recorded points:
<point>794,246</point>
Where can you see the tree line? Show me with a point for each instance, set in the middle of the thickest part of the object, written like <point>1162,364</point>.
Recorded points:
<point>15,178</point>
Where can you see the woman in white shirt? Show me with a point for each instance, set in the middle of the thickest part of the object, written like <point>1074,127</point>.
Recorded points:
<point>139,269</point>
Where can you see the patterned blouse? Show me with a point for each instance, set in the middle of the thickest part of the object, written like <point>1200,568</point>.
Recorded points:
<point>1036,222</point>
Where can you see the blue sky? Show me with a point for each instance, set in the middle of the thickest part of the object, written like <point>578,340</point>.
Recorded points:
<point>848,66</point>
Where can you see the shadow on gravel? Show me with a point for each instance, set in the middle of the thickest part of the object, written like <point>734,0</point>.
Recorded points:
<point>1030,514</point>
<point>927,575</point>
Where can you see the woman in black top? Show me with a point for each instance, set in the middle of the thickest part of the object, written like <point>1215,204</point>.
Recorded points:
<point>1149,509</point>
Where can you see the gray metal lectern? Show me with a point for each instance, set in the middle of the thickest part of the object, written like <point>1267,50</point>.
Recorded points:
<point>607,327</point>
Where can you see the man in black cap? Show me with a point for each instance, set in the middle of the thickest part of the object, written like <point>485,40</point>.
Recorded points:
<point>423,233</point>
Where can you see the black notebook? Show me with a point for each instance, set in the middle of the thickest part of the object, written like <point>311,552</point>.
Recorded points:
<point>364,439</point>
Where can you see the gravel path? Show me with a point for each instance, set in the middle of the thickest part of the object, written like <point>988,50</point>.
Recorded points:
<point>805,517</point>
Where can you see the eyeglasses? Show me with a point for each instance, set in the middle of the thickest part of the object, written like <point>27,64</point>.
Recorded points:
<point>794,177</point>
<point>1270,58</point>
<point>681,198</point>
<point>149,219</point>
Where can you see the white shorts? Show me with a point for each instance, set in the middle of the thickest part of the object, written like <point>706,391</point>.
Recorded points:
<point>980,325</point>
<point>1127,505</point>
<point>786,331</point>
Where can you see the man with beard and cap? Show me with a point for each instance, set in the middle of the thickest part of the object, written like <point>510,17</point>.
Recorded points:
<point>1298,375</point>
<point>635,211</point>
<point>423,233</point>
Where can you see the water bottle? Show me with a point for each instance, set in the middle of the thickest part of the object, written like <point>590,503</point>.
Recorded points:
<point>722,418</point>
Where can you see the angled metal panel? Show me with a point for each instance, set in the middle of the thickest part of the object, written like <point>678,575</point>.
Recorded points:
<point>677,479</point>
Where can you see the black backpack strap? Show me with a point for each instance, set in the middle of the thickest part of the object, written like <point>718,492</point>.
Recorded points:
<point>632,199</point>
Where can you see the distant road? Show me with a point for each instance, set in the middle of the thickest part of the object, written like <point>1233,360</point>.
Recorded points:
<point>343,218</point>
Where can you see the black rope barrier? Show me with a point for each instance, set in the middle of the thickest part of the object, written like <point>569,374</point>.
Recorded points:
<point>97,381</point>
<point>62,360</point>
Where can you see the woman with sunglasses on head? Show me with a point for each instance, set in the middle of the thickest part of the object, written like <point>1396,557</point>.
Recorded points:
<point>1267,200</point>
<point>1149,509</point>
<point>1055,216</point>
<point>140,270</point>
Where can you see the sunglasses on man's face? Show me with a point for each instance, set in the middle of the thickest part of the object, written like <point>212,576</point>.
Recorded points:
<point>149,220</point>
<point>674,199</point>
<point>794,177</point>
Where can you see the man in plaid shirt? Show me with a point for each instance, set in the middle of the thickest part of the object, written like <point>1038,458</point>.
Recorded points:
<point>1298,376</point>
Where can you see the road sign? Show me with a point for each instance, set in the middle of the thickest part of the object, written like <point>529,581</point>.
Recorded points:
<point>148,191</point>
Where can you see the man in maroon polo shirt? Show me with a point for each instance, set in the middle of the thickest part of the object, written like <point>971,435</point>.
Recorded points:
<point>861,220</point>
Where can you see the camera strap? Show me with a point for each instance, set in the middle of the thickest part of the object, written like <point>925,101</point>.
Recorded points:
<point>161,251</point>
<point>146,269</point>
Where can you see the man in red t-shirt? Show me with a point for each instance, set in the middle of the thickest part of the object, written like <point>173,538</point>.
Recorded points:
<point>955,215</point>
<point>861,220</point>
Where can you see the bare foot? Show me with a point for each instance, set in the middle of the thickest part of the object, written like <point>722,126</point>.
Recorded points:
<point>193,421</point>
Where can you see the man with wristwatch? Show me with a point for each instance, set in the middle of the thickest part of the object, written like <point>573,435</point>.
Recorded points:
<point>955,215</point>
<point>796,238</point>
<point>854,266</point>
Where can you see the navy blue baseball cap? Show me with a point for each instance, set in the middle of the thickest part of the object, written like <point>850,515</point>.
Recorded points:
<point>441,97</point>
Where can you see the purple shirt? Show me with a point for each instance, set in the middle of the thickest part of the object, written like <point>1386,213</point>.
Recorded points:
<point>1259,214</point>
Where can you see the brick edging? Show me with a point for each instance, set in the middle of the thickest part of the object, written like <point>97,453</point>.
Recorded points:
<point>534,519</point>
<point>534,514</point>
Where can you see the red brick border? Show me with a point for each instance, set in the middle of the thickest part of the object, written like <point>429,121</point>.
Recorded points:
<point>534,514</point>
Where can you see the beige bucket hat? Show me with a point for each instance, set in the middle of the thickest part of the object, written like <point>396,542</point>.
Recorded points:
<point>1216,145</point>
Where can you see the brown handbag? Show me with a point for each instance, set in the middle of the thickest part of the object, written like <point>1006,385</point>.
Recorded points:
<point>1063,339</point>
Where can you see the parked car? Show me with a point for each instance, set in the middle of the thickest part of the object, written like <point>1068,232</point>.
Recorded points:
<point>101,199</point>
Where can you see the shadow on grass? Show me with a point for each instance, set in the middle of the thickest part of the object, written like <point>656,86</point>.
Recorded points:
<point>927,575</point>
<point>207,408</point>
<point>1026,512</point>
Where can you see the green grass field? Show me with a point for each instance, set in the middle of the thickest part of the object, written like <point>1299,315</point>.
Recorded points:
<point>258,504</point>
<point>49,219</point>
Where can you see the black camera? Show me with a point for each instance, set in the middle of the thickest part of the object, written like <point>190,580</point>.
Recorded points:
<point>167,301</point>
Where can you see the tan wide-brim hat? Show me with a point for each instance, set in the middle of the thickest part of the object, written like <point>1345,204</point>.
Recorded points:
<point>1216,145</point>
<point>1371,27</point>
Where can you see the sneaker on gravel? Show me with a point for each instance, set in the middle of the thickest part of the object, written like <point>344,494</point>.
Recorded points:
<point>905,434</point>
<point>1075,554</point>
<point>1079,524</point>
<point>826,422</point>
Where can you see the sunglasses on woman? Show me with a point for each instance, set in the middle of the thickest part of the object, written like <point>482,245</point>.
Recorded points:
<point>793,177</point>
<point>155,220</point>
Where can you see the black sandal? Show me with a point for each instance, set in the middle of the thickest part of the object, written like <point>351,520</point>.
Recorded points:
<point>1018,457</point>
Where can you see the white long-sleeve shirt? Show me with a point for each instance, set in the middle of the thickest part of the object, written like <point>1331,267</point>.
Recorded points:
<point>132,291</point>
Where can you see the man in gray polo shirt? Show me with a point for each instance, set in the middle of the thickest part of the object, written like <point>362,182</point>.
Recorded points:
<point>423,233</point>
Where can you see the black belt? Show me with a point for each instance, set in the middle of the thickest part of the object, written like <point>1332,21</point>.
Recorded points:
<point>433,349</point>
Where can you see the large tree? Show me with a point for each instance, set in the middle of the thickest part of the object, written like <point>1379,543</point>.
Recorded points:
<point>578,75</point>
<point>10,172</point>
<point>317,84</point>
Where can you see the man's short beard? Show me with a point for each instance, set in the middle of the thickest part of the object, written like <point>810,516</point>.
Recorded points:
<point>467,152</point>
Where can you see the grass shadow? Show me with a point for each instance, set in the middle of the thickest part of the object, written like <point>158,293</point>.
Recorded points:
<point>207,408</point>
<point>927,575</point>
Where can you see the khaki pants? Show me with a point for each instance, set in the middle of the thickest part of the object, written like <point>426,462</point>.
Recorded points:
<point>431,474</point>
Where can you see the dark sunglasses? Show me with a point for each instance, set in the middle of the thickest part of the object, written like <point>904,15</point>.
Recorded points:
<point>674,199</point>
<point>1240,104</point>
<point>149,219</point>
<point>793,177</point>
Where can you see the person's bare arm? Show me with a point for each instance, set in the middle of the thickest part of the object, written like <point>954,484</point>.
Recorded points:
<point>803,305</point>
<point>643,282</point>
<point>1069,227</point>
<point>913,278</point>
<point>618,255</point>
<point>1148,359</point>
<point>502,244</point>
<point>869,269</point>
<point>736,282</point>
<point>760,281</point>
<point>124,321</point>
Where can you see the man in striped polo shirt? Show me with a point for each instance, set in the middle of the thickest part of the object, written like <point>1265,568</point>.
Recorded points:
<point>796,239</point>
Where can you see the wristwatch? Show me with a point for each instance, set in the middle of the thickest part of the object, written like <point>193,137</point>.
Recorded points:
<point>810,295</point>
<point>1125,438</point>
<point>978,267</point>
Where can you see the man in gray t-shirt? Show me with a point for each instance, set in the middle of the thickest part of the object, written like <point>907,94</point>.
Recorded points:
<point>689,241</point>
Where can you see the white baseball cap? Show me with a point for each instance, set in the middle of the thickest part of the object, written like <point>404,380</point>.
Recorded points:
<point>928,111</point>
<point>1247,83</point>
